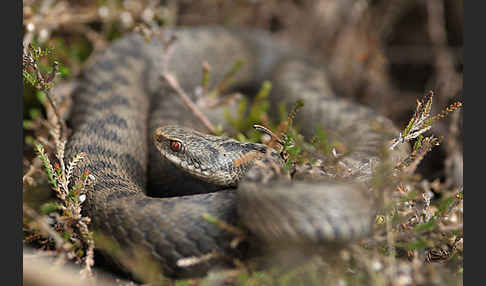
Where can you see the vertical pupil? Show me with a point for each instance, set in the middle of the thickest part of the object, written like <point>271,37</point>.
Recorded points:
<point>175,146</point>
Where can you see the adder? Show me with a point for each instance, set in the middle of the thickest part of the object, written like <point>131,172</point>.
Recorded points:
<point>157,171</point>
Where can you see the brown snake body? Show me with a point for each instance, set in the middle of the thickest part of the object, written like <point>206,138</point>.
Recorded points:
<point>121,101</point>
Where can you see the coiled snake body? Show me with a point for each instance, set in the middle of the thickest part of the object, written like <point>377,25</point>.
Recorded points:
<point>121,102</point>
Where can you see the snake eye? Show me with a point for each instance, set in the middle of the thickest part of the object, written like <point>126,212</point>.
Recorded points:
<point>176,146</point>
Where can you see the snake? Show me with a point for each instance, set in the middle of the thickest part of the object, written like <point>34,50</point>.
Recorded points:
<point>157,170</point>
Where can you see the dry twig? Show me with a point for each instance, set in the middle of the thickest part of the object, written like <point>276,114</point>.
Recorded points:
<point>172,80</point>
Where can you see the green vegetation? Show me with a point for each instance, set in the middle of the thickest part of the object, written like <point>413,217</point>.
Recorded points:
<point>417,237</point>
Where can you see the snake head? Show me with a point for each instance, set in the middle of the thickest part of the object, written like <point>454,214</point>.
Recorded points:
<point>214,159</point>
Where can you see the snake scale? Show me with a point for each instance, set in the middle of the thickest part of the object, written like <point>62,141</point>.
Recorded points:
<point>121,101</point>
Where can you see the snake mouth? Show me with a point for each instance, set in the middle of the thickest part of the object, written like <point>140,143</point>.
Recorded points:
<point>195,169</point>
<point>206,157</point>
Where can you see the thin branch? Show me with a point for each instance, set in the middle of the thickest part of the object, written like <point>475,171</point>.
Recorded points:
<point>172,80</point>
